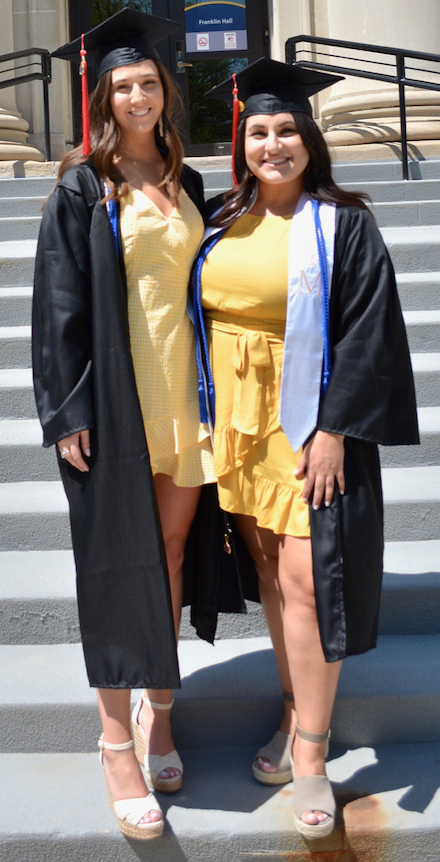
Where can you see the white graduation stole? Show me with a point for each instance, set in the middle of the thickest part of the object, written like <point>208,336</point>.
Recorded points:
<point>303,347</point>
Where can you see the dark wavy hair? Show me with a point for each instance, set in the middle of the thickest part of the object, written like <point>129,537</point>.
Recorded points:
<point>318,180</point>
<point>105,137</point>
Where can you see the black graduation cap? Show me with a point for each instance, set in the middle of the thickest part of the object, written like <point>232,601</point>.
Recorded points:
<point>125,38</point>
<point>270,87</point>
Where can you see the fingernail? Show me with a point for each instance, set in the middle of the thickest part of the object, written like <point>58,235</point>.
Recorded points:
<point>88,453</point>
<point>305,500</point>
<point>342,493</point>
<point>327,503</point>
<point>295,472</point>
<point>316,507</point>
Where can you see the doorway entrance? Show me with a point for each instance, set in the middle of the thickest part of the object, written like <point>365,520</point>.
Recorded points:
<point>215,39</point>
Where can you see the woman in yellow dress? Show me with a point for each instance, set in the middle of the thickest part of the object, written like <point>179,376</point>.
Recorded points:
<point>116,389</point>
<point>301,339</point>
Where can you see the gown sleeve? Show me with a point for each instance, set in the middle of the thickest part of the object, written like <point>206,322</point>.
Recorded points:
<point>371,390</point>
<point>61,318</point>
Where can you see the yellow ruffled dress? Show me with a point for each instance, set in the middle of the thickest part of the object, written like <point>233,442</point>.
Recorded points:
<point>244,294</point>
<point>158,255</point>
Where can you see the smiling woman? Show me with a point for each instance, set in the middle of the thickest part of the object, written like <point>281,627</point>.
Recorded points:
<point>116,388</point>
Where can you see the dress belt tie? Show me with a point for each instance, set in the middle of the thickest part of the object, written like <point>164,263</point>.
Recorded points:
<point>250,355</point>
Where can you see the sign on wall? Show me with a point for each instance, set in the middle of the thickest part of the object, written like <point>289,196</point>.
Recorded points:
<point>218,26</point>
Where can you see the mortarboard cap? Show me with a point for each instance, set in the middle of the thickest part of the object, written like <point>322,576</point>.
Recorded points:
<point>270,87</point>
<point>125,38</point>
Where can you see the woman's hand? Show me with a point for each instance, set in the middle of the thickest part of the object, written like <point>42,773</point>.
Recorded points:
<point>322,462</point>
<point>73,448</point>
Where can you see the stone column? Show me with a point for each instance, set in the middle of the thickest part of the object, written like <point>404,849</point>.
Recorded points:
<point>13,128</point>
<point>361,111</point>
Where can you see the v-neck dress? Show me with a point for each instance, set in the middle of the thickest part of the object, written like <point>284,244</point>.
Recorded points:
<point>158,255</point>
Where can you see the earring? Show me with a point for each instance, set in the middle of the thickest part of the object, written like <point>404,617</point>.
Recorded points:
<point>160,125</point>
<point>250,174</point>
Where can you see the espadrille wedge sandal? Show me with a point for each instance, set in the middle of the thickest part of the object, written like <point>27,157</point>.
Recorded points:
<point>155,763</point>
<point>278,751</point>
<point>313,793</point>
<point>129,812</point>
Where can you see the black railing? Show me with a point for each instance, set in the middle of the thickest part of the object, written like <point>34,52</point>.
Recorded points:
<point>42,74</point>
<point>401,72</point>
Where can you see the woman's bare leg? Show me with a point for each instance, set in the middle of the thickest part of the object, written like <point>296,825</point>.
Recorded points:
<point>264,548</point>
<point>121,767</point>
<point>314,680</point>
<point>177,508</point>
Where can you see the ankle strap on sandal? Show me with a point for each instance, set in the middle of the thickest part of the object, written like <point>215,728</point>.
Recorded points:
<point>313,737</point>
<point>157,705</point>
<point>114,746</point>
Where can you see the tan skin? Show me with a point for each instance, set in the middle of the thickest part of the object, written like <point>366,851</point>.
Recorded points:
<point>277,156</point>
<point>137,103</point>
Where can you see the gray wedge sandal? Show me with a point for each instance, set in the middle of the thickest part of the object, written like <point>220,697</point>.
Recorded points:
<point>313,793</point>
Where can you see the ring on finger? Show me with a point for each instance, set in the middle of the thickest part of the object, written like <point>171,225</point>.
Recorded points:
<point>64,452</point>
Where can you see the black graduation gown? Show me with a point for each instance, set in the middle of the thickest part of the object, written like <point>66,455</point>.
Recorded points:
<point>371,400</point>
<point>84,378</point>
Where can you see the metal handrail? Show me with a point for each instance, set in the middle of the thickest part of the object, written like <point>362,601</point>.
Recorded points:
<point>399,77</point>
<point>44,75</point>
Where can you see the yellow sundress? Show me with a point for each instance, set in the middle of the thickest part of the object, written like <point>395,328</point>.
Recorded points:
<point>244,294</point>
<point>158,254</point>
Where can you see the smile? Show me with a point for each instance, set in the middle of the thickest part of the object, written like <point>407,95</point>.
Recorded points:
<point>140,113</point>
<point>276,161</point>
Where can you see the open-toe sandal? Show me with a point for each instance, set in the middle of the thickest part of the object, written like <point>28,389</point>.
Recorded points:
<point>278,751</point>
<point>129,812</point>
<point>155,763</point>
<point>313,793</point>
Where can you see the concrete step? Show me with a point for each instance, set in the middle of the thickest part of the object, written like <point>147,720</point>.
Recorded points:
<point>17,262</point>
<point>387,806</point>
<point>15,346</point>
<point>19,227</point>
<point>412,503</point>
<point>33,516</point>
<point>17,394</point>
<point>386,696</point>
<point>397,190</point>
<point>38,597</point>
<point>413,249</point>
<point>423,328</point>
<point>418,290</point>
<point>23,458</point>
<point>426,368</point>
<point>15,306</point>
<point>20,207</point>
<point>407,213</point>
<point>346,172</point>
<point>23,187</point>
<point>428,453</point>
<point>223,814</point>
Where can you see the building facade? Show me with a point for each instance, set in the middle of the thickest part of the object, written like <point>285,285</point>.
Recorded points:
<point>360,117</point>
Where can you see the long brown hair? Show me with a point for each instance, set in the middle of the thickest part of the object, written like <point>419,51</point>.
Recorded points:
<point>318,180</point>
<point>105,137</point>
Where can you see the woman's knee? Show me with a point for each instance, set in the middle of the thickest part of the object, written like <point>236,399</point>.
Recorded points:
<point>174,549</point>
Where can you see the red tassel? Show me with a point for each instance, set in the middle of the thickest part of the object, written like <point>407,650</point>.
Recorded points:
<point>84,100</point>
<point>235,122</point>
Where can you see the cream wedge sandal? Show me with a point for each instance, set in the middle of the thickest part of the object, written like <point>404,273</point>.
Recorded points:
<point>155,763</point>
<point>278,751</point>
<point>313,793</point>
<point>129,812</point>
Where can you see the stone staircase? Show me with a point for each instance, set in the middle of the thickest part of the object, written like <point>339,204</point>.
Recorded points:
<point>386,728</point>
